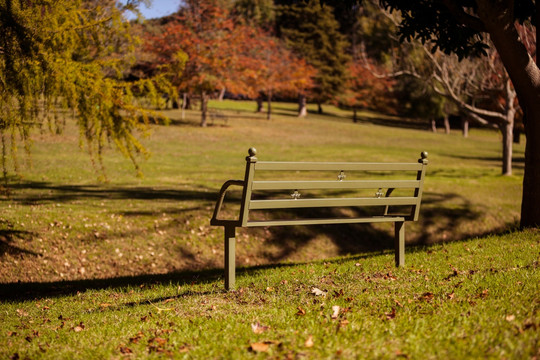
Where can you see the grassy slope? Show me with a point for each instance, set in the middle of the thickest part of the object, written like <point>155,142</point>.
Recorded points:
<point>473,299</point>
<point>59,223</point>
<point>479,297</point>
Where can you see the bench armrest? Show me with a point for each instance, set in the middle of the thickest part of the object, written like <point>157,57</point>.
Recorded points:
<point>219,203</point>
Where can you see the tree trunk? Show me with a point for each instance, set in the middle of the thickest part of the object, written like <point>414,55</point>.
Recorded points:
<point>302,108</point>
<point>525,76</point>
<point>517,135</point>
<point>354,115</point>
<point>508,137</point>
<point>222,94</point>
<point>204,108</point>
<point>434,125</point>
<point>465,127</point>
<point>184,104</point>
<point>446,124</point>
<point>260,102</point>
<point>269,107</point>
<point>319,107</point>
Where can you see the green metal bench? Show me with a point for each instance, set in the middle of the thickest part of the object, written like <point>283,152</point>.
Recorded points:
<point>361,192</point>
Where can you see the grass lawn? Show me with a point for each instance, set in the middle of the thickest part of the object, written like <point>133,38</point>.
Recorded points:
<point>131,267</point>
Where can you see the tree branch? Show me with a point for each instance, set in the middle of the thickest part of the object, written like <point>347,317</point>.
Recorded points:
<point>461,16</point>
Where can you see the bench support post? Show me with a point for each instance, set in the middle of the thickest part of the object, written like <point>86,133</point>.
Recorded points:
<point>399,242</point>
<point>230,262</point>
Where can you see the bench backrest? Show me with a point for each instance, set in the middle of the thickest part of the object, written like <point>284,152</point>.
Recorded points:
<point>280,188</point>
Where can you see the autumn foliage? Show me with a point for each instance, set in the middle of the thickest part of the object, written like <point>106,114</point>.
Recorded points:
<point>205,49</point>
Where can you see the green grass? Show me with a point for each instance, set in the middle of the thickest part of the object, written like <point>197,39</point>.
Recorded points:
<point>138,255</point>
<point>473,299</point>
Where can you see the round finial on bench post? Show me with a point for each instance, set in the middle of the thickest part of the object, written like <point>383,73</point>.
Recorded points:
<point>252,152</point>
<point>423,160</point>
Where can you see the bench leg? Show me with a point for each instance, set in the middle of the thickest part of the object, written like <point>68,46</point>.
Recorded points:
<point>399,242</point>
<point>230,262</point>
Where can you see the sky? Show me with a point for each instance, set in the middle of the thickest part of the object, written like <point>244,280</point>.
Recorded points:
<point>159,8</point>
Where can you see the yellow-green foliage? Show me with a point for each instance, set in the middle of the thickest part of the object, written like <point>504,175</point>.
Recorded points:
<point>59,55</point>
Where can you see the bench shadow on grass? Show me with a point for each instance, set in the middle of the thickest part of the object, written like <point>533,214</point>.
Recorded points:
<point>357,240</point>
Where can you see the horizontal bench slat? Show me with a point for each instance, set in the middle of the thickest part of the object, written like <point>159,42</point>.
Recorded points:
<point>258,223</point>
<point>351,184</point>
<point>330,202</point>
<point>336,166</point>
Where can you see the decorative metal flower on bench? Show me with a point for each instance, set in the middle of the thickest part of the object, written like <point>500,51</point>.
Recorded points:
<point>341,175</point>
<point>296,195</point>
<point>379,193</point>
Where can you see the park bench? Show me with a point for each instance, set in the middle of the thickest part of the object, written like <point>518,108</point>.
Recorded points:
<point>284,193</point>
<point>217,115</point>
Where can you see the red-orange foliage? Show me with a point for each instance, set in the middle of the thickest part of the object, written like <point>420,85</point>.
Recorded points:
<point>365,90</point>
<point>222,54</point>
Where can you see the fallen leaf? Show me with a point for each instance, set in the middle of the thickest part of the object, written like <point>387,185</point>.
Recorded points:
<point>168,300</point>
<point>309,341</point>
<point>135,339</point>
<point>259,347</point>
<point>21,312</point>
<point>391,315</point>
<point>183,348</point>
<point>451,295</point>
<point>104,305</point>
<point>510,318</point>
<point>318,292</point>
<point>78,328</point>
<point>158,340</point>
<point>335,311</point>
<point>398,303</point>
<point>125,350</point>
<point>344,323</point>
<point>484,294</point>
<point>258,328</point>
<point>269,289</point>
<point>428,296</point>
<point>301,312</point>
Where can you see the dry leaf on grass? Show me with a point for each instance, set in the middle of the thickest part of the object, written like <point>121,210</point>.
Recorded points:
<point>335,311</point>
<point>309,341</point>
<point>258,328</point>
<point>318,292</point>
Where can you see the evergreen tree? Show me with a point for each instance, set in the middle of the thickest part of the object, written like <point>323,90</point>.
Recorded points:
<point>69,54</point>
<point>311,30</point>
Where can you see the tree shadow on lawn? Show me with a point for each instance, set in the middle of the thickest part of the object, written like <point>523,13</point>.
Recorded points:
<point>49,193</point>
<point>348,239</point>
<point>360,238</point>
<point>518,162</point>
<point>22,291</point>
<point>6,239</point>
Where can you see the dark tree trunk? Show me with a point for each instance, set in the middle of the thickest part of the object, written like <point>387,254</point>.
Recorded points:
<point>525,76</point>
<point>186,102</point>
<point>508,137</point>
<point>204,108</point>
<point>319,107</point>
<point>260,102</point>
<point>302,108</point>
<point>269,107</point>
<point>517,136</point>
<point>354,115</point>
<point>434,125</point>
